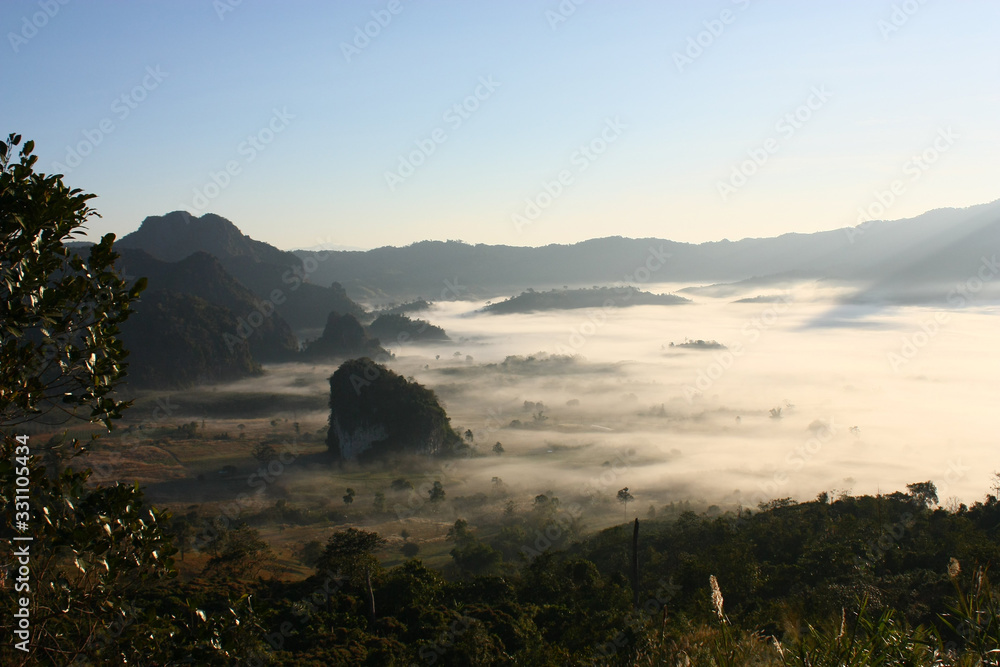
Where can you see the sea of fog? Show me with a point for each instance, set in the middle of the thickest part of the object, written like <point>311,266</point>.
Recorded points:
<point>806,397</point>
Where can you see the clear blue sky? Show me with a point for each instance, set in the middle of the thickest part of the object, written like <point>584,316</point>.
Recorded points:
<point>679,133</point>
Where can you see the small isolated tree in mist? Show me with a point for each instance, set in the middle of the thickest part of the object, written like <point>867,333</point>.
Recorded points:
<point>624,497</point>
<point>436,493</point>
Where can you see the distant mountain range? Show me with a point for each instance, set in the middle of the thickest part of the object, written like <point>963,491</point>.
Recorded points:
<point>901,260</point>
<point>241,302</point>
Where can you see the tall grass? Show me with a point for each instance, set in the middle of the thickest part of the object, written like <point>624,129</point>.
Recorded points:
<point>968,635</point>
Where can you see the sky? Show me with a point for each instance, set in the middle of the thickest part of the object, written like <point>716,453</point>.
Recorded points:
<point>363,124</point>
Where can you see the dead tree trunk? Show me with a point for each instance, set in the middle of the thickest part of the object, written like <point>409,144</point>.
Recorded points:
<point>371,598</point>
<point>635,565</point>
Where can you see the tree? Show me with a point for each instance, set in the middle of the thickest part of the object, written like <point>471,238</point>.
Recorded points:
<point>264,454</point>
<point>350,553</point>
<point>401,484</point>
<point>624,497</point>
<point>923,493</point>
<point>101,558</point>
<point>498,449</point>
<point>309,553</point>
<point>240,554</point>
<point>469,437</point>
<point>476,558</point>
<point>436,493</point>
<point>379,503</point>
<point>459,533</point>
<point>349,497</point>
<point>59,313</point>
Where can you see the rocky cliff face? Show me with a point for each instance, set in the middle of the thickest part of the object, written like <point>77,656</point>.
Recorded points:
<point>374,412</point>
<point>354,443</point>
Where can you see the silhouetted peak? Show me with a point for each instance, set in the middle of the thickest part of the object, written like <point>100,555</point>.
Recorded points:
<point>177,234</point>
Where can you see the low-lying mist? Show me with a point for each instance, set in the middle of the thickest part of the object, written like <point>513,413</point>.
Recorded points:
<point>801,396</point>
